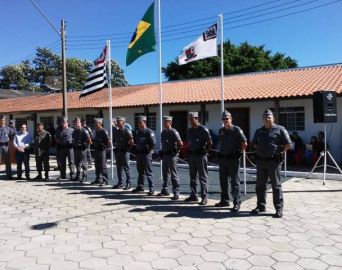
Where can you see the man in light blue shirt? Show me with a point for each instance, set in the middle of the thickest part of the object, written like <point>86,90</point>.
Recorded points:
<point>22,142</point>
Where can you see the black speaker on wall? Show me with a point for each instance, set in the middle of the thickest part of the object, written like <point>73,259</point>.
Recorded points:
<point>324,107</point>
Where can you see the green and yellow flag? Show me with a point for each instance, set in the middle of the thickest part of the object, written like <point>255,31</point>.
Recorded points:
<point>143,40</point>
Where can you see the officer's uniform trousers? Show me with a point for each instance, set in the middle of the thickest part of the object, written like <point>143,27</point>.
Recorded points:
<point>88,155</point>
<point>4,152</point>
<point>198,168</point>
<point>122,165</point>
<point>41,160</point>
<point>229,168</point>
<point>100,163</point>
<point>66,152</point>
<point>144,167</point>
<point>169,169</point>
<point>269,168</point>
<point>80,159</point>
<point>20,158</point>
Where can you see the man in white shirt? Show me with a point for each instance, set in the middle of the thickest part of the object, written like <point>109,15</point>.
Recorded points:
<point>22,141</point>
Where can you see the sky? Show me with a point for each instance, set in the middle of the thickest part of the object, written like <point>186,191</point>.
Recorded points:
<point>312,37</point>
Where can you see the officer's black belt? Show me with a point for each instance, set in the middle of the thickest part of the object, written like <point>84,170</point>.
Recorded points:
<point>228,156</point>
<point>199,152</point>
<point>3,143</point>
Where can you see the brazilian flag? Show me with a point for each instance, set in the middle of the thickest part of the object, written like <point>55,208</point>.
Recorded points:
<point>143,40</point>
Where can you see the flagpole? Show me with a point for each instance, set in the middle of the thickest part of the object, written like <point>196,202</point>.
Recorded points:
<point>109,79</point>
<point>160,82</point>
<point>222,66</point>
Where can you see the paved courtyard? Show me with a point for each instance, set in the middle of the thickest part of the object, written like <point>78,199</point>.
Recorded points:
<point>67,225</point>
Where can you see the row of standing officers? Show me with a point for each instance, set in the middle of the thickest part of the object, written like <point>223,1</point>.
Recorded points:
<point>270,141</point>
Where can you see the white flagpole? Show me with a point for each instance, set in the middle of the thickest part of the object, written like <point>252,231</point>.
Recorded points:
<point>109,79</point>
<point>160,82</point>
<point>222,66</point>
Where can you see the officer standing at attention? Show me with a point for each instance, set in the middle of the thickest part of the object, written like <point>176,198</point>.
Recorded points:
<point>42,143</point>
<point>65,149</point>
<point>123,141</point>
<point>199,145</point>
<point>145,142</point>
<point>22,142</point>
<point>88,152</point>
<point>270,141</point>
<point>81,141</point>
<point>171,144</point>
<point>101,142</point>
<point>232,142</point>
<point>6,134</point>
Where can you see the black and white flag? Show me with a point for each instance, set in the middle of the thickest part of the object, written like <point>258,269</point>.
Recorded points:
<point>97,79</point>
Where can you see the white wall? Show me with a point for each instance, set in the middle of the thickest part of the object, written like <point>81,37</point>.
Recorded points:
<point>214,120</point>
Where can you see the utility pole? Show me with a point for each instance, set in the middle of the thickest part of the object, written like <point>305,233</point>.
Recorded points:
<point>64,79</point>
<point>62,35</point>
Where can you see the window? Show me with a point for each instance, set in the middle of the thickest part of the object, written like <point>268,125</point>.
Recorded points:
<point>151,120</point>
<point>47,121</point>
<point>90,120</point>
<point>20,121</point>
<point>293,118</point>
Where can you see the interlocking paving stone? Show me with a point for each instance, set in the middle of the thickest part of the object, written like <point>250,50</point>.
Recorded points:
<point>77,226</point>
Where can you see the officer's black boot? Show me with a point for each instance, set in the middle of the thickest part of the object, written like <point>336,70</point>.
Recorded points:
<point>204,201</point>
<point>27,176</point>
<point>83,178</point>
<point>46,176</point>
<point>175,196</point>
<point>150,192</point>
<point>71,176</point>
<point>39,176</point>
<point>164,192</point>
<point>139,188</point>
<point>128,186</point>
<point>77,177</point>
<point>104,180</point>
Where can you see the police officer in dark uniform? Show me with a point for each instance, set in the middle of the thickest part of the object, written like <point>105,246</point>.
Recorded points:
<point>101,142</point>
<point>171,144</point>
<point>81,141</point>
<point>145,142</point>
<point>65,149</point>
<point>42,143</point>
<point>6,134</point>
<point>88,150</point>
<point>270,141</point>
<point>200,143</point>
<point>123,141</point>
<point>232,142</point>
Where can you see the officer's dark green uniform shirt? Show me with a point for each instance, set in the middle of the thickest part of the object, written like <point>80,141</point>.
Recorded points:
<point>197,139</point>
<point>230,140</point>
<point>270,141</point>
<point>169,139</point>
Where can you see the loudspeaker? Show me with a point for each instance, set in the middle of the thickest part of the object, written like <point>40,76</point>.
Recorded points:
<point>324,107</point>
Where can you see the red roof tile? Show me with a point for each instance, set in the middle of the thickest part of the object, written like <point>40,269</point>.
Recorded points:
<point>262,85</point>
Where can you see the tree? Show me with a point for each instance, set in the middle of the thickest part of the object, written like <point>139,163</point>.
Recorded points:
<point>45,71</point>
<point>237,59</point>
<point>17,76</point>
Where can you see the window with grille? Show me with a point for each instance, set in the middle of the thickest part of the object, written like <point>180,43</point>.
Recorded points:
<point>151,120</point>
<point>90,120</point>
<point>292,118</point>
<point>47,121</point>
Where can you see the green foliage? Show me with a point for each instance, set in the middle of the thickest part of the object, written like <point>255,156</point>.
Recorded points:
<point>45,71</point>
<point>237,59</point>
